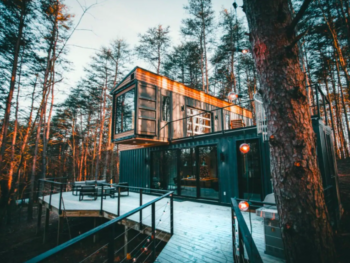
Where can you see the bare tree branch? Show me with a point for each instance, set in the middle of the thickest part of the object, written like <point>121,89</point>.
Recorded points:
<point>299,15</point>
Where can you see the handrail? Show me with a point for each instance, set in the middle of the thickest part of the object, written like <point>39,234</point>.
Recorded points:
<point>248,244</point>
<point>220,110</point>
<point>48,254</point>
<point>135,187</point>
<point>251,202</point>
<point>49,181</point>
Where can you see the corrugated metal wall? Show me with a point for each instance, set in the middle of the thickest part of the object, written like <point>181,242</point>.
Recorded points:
<point>135,164</point>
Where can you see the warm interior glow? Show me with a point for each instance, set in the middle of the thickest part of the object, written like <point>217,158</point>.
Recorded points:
<point>244,148</point>
<point>243,206</point>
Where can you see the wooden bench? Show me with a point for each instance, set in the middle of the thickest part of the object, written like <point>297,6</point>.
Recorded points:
<point>88,190</point>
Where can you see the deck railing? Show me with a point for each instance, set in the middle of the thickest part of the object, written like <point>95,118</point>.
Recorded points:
<point>49,186</point>
<point>143,250</point>
<point>209,121</point>
<point>244,248</point>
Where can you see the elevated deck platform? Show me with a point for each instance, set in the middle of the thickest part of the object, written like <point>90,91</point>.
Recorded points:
<point>202,232</point>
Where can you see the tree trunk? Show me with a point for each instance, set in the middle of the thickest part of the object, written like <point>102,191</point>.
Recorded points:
<point>104,96</point>
<point>332,116</point>
<point>344,108</point>
<point>304,219</point>
<point>338,114</point>
<point>5,123</point>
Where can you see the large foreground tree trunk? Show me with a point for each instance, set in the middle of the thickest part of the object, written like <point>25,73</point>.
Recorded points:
<point>306,231</point>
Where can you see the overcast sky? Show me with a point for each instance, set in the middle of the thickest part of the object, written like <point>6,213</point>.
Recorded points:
<point>112,19</point>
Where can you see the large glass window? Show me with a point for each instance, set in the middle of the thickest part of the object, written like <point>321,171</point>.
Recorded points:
<point>188,169</point>
<point>125,111</point>
<point>199,122</point>
<point>164,170</point>
<point>208,178</point>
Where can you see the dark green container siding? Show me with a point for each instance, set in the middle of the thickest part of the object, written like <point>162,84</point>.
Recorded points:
<point>135,164</point>
<point>134,167</point>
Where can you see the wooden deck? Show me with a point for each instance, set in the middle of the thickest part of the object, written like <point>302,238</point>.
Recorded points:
<point>202,232</point>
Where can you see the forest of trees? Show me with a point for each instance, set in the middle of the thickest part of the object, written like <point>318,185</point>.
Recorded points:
<point>41,138</point>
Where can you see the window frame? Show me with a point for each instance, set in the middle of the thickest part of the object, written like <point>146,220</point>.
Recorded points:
<point>116,122</point>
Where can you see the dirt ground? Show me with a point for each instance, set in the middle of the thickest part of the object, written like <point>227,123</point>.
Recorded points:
<point>342,238</point>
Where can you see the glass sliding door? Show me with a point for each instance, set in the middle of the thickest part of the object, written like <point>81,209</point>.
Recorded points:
<point>187,170</point>
<point>208,177</point>
<point>164,170</point>
<point>249,172</point>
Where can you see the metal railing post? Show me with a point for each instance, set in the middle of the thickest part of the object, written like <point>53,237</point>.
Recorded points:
<point>111,245</point>
<point>39,217</point>
<point>222,121</point>
<point>233,232</point>
<point>50,195</point>
<point>171,214</point>
<point>118,200</point>
<point>141,209</point>
<point>60,202</point>
<point>153,232</point>
<point>101,208</point>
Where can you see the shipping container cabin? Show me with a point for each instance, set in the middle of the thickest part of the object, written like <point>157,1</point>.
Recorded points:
<point>190,142</point>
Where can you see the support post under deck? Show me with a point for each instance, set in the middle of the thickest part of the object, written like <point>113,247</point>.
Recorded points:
<point>40,209</point>
<point>59,229</point>
<point>47,219</point>
<point>126,237</point>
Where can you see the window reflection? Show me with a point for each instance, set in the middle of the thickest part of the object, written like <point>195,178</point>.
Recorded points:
<point>166,108</point>
<point>125,111</point>
<point>198,124</point>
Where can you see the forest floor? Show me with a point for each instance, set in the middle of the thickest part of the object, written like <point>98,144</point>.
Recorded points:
<point>342,240</point>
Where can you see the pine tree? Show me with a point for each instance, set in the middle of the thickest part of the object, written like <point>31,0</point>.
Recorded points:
<point>199,28</point>
<point>154,46</point>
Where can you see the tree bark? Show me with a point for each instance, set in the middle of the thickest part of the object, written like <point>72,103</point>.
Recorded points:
<point>304,220</point>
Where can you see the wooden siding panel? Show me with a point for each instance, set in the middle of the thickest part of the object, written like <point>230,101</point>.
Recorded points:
<point>165,83</point>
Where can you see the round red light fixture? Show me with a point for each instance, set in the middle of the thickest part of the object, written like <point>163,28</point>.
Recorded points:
<point>232,96</point>
<point>244,148</point>
<point>243,206</point>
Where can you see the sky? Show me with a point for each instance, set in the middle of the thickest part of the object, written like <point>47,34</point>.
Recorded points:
<point>112,19</point>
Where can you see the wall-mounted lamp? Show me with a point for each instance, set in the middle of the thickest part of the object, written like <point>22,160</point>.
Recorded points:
<point>182,107</point>
<point>146,160</point>
<point>222,157</point>
<point>216,117</point>
<point>244,148</point>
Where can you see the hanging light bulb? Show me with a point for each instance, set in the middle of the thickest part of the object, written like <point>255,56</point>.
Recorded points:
<point>244,148</point>
<point>232,96</point>
<point>243,206</point>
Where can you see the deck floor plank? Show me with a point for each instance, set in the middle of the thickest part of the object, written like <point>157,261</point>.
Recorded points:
<point>202,232</point>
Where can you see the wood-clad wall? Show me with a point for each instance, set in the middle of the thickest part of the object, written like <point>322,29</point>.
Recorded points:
<point>165,83</point>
